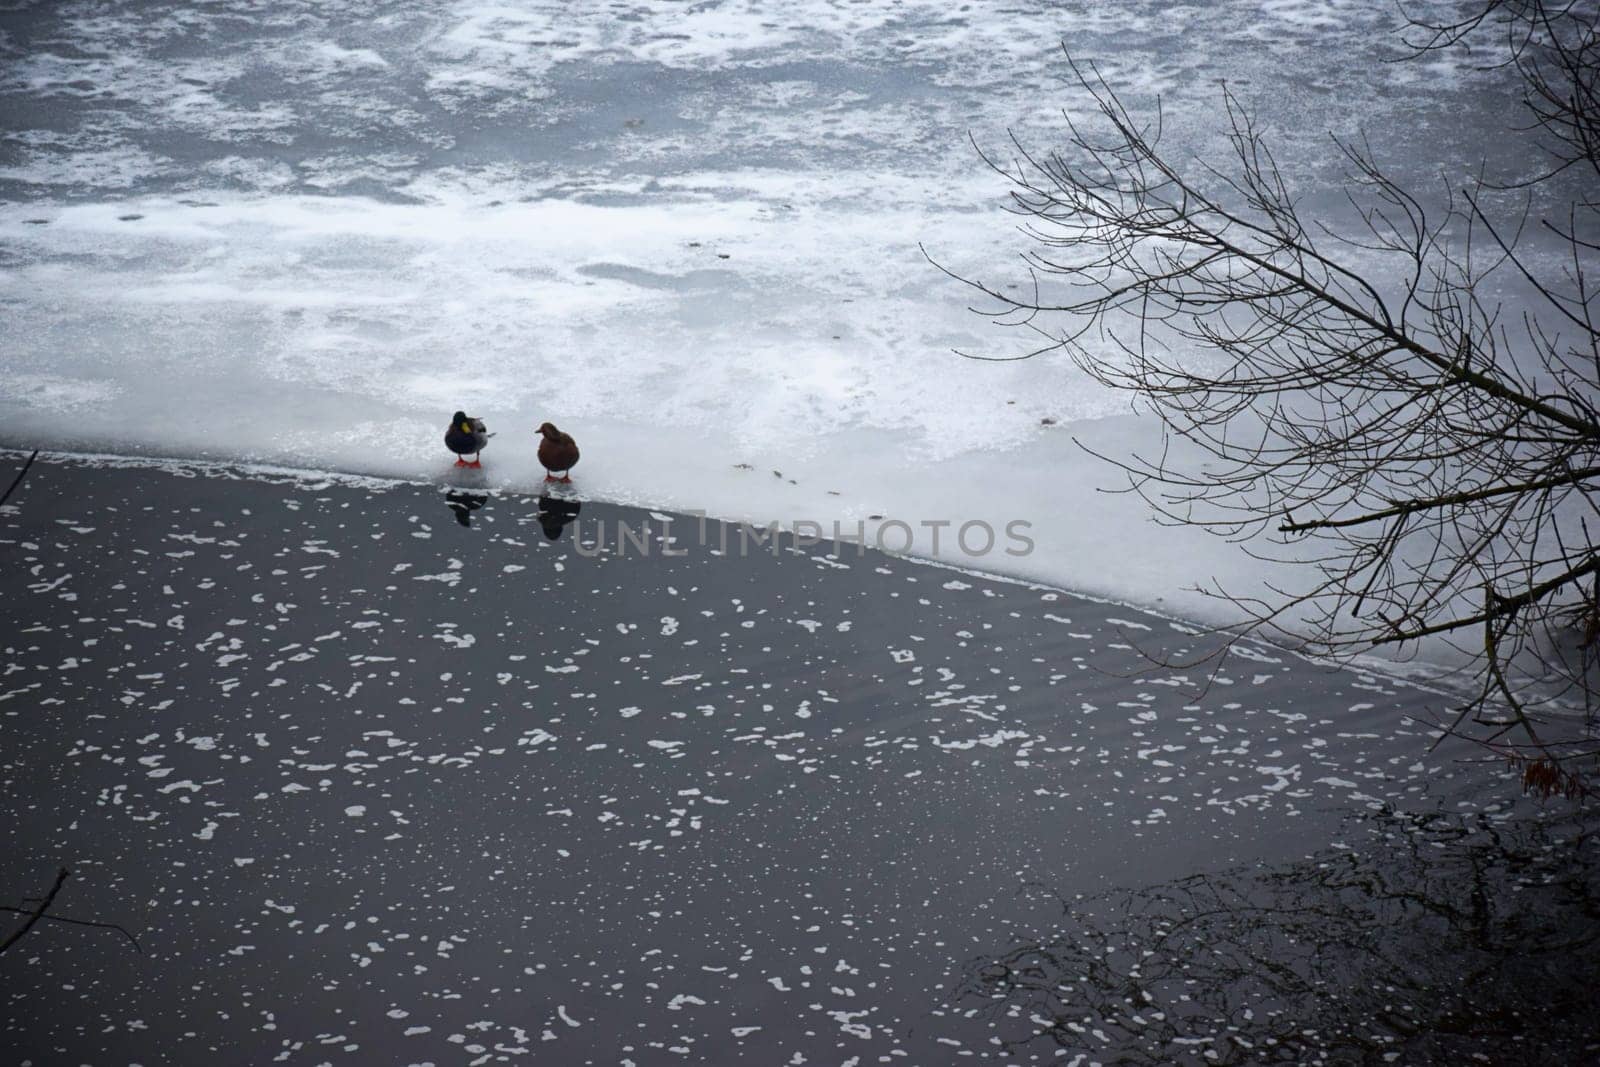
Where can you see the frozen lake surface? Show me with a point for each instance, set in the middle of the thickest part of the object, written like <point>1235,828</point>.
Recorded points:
<point>305,233</point>
<point>390,773</point>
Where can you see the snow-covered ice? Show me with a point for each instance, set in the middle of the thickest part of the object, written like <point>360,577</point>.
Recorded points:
<point>689,234</point>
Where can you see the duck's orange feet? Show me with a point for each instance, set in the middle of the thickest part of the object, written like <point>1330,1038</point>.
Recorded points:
<point>565,479</point>
<point>550,477</point>
<point>460,462</point>
<point>476,463</point>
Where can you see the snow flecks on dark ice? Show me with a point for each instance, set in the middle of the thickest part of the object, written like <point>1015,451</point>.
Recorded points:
<point>380,775</point>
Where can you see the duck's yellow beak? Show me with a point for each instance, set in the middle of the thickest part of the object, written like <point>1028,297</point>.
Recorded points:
<point>466,427</point>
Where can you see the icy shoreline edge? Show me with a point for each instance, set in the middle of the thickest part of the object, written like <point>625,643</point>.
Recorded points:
<point>1421,675</point>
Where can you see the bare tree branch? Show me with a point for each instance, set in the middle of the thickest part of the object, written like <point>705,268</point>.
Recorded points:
<point>1407,402</point>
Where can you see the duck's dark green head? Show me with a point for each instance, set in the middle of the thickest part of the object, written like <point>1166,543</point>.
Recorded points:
<point>459,421</point>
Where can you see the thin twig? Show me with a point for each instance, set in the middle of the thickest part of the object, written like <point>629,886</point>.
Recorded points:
<point>38,913</point>
<point>23,473</point>
<point>81,922</point>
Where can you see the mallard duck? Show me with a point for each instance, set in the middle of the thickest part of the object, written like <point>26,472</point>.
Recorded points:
<point>466,437</point>
<point>557,452</point>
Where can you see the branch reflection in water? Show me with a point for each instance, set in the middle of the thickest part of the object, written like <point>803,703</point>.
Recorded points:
<point>1437,938</point>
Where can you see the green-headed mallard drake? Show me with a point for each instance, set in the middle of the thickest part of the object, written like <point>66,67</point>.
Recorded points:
<point>557,452</point>
<point>466,437</point>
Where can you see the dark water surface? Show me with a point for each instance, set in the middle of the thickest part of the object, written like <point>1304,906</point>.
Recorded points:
<point>383,774</point>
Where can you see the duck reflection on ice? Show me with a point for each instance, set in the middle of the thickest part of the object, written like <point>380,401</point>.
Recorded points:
<point>555,514</point>
<point>463,503</point>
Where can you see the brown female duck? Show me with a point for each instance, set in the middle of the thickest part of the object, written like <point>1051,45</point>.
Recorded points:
<point>557,452</point>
